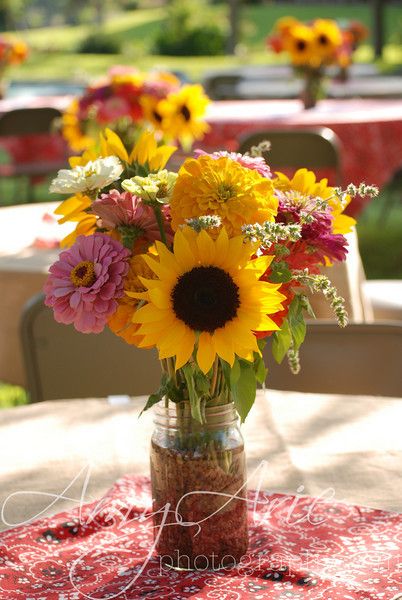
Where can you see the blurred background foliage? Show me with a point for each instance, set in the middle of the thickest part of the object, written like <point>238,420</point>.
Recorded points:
<point>190,35</point>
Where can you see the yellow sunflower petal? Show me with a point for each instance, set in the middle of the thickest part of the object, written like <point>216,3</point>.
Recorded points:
<point>182,251</point>
<point>206,248</point>
<point>114,145</point>
<point>343,224</point>
<point>186,348</point>
<point>206,352</point>
<point>223,345</point>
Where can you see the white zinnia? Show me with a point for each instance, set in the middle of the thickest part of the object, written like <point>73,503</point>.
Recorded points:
<point>95,175</point>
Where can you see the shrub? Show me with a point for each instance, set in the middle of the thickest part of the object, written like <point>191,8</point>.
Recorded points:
<point>182,35</point>
<point>100,43</point>
<point>197,41</point>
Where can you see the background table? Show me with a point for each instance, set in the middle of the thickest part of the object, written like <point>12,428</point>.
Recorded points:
<point>28,246</point>
<point>311,443</point>
<point>370,131</point>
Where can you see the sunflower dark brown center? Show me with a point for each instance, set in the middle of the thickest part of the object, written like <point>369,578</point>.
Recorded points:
<point>157,116</point>
<point>205,298</point>
<point>301,45</point>
<point>323,40</point>
<point>185,112</point>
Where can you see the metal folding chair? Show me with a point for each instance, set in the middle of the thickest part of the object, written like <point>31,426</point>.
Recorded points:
<point>361,359</point>
<point>60,362</point>
<point>317,148</point>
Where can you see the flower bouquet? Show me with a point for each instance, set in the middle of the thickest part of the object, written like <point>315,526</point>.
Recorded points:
<point>129,101</point>
<point>208,265</point>
<point>12,52</point>
<point>312,47</point>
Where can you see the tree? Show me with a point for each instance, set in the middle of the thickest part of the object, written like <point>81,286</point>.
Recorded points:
<point>234,19</point>
<point>378,27</point>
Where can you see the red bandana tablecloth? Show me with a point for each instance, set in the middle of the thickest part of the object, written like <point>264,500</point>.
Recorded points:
<point>300,548</point>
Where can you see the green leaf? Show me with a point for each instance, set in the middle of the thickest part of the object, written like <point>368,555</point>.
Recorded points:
<point>194,397</point>
<point>202,382</point>
<point>235,372</point>
<point>296,322</point>
<point>305,302</point>
<point>281,342</point>
<point>174,393</point>
<point>260,369</point>
<point>157,396</point>
<point>226,368</point>
<point>280,272</point>
<point>244,390</point>
<point>153,399</point>
<point>281,250</point>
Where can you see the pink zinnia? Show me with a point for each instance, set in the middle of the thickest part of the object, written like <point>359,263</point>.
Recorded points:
<point>123,208</point>
<point>255,163</point>
<point>85,282</point>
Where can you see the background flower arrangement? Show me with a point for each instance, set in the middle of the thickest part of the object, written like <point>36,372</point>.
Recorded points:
<point>129,101</point>
<point>12,52</point>
<point>314,46</point>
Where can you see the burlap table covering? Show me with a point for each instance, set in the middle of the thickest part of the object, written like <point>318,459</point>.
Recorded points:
<point>347,447</point>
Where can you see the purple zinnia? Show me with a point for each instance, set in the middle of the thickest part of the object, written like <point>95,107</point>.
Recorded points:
<point>84,284</point>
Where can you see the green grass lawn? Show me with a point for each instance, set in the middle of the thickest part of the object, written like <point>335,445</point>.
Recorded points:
<point>54,49</point>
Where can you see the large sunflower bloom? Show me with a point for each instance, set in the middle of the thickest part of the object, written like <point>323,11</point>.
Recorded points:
<point>305,184</point>
<point>207,297</point>
<point>223,187</point>
<point>182,115</point>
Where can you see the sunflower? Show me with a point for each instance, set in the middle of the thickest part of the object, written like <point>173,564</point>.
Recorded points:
<point>207,298</point>
<point>298,41</point>
<point>304,183</point>
<point>327,38</point>
<point>121,321</point>
<point>183,113</point>
<point>285,24</point>
<point>223,187</point>
<point>152,112</point>
<point>71,129</point>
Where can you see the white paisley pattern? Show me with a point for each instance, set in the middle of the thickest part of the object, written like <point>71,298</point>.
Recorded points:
<point>300,549</point>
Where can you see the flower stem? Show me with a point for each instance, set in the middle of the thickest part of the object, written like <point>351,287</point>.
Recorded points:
<point>159,220</point>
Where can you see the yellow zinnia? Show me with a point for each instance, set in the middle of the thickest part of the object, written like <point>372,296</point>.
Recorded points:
<point>304,183</point>
<point>223,187</point>
<point>206,299</point>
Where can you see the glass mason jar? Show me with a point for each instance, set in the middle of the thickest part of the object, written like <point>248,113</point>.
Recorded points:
<point>198,476</point>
